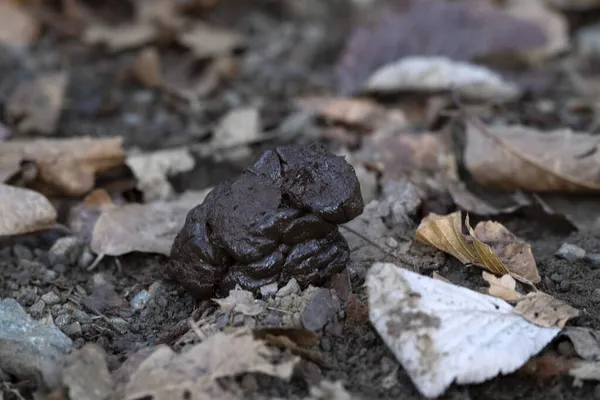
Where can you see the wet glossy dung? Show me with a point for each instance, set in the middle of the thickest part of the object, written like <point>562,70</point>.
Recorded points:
<point>276,221</point>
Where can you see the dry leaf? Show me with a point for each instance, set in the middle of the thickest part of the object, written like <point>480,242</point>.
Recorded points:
<point>485,254</point>
<point>435,74</point>
<point>24,211</point>
<point>301,336</point>
<point>444,233</point>
<point>586,370</point>
<point>241,301</point>
<point>512,253</point>
<point>517,157</point>
<point>63,166</point>
<point>35,106</point>
<point>149,228</point>
<point>586,341</point>
<point>443,333</point>
<point>18,27</point>
<point>503,288</point>
<point>361,113</point>
<point>152,171</point>
<point>146,68</point>
<point>461,31</point>
<point>545,310</point>
<point>166,375</point>
<point>210,41</point>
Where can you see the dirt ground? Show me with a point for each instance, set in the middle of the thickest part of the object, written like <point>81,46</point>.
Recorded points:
<point>302,49</point>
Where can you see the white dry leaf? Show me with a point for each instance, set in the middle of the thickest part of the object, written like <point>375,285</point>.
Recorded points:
<point>24,211</point>
<point>153,169</point>
<point>434,74</point>
<point>241,301</point>
<point>442,333</point>
<point>193,374</point>
<point>148,228</point>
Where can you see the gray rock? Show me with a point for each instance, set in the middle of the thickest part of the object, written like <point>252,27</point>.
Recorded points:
<point>319,310</point>
<point>140,300</point>
<point>85,259</point>
<point>268,290</point>
<point>119,324</point>
<point>37,309</point>
<point>28,349</point>
<point>570,252</point>
<point>68,248</point>
<point>86,376</point>
<point>556,277</point>
<point>22,252</point>
<point>62,320</point>
<point>51,298</point>
<point>81,317</point>
<point>291,287</point>
<point>73,330</point>
<point>588,41</point>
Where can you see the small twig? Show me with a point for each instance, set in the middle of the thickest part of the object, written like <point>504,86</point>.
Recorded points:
<point>96,261</point>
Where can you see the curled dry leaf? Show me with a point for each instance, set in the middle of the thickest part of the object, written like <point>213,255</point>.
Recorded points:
<point>517,157</point>
<point>545,310</point>
<point>24,211</point>
<point>504,288</point>
<point>62,166</point>
<point>442,333</point>
<point>35,106</point>
<point>165,375</point>
<point>503,253</point>
<point>435,74</point>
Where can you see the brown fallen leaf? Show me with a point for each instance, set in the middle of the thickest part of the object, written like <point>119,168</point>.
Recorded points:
<point>512,252</point>
<point>24,211</point>
<point>503,288</point>
<point>146,68</point>
<point>62,166</point>
<point>210,41</point>
<point>165,375</point>
<point>149,228</point>
<point>354,112</point>
<point>35,106</point>
<point>517,157</point>
<point>18,28</point>
<point>544,310</point>
<point>444,233</point>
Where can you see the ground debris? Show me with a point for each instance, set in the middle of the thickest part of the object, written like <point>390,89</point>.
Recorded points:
<point>24,211</point>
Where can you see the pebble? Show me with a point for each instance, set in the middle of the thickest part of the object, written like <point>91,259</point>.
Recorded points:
<point>596,295</point>
<point>49,275</point>
<point>60,268</point>
<point>37,309</point>
<point>556,277</point>
<point>73,330</point>
<point>23,252</point>
<point>548,282</point>
<point>325,344</point>
<point>68,247</point>
<point>319,311</point>
<point>268,290</point>
<point>140,300</point>
<point>291,287</point>
<point>566,348</point>
<point>119,324</point>
<point>19,331</point>
<point>51,298</point>
<point>565,286</point>
<point>62,320</point>
<point>593,258</point>
<point>570,252</point>
<point>85,259</point>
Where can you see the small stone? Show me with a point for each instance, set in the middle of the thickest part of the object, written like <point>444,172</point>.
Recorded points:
<point>286,303</point>
<point>548,282</point>
<point>567,349</point>
<point>593,258</point>
<point>119,324</point>
<point>23,252</point>
<point>319,311</point>
<point>51,298</point>
<point>60,268</point>
<point>556,277</point>
<point>325,344</point>
<point>62,320</point>
<point>238,319</point>
<point>570,252</point>
<point>37,309</point>
<point>85,259</point>
<point>565,286</point>
<point>291,287</point>
<point>268,290</point>
<point>86,375</point>
<point>49,275</point>
<point>81,316</point>
<point>72,330</point>
<point>68,247</point>
<point>140,300</point>
<point>596,295</point>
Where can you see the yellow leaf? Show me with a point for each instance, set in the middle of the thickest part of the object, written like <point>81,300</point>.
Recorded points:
<point>487,258</point>
<point>444,233</point>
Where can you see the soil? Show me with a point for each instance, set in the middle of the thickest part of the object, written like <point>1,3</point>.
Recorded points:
<point>102,103</point>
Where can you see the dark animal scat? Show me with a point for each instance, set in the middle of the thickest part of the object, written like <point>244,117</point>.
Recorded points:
<point>276,221</point>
